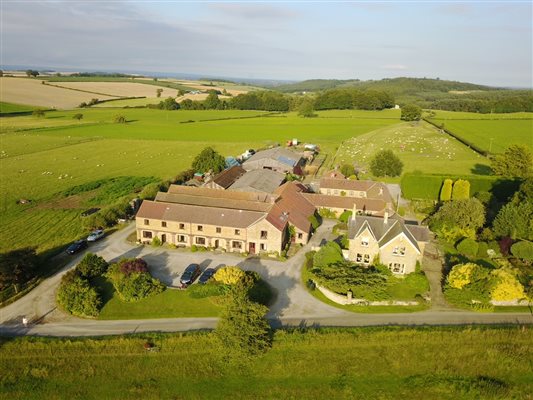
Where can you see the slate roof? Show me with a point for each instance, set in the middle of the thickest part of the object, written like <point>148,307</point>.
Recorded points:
<point>280,154</point>
<point>371,188</point>
<point>385,232</point>
<point>258,180</point>
<point>346,202</point>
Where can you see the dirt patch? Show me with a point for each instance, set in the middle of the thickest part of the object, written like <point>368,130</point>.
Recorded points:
<point>73,202</point>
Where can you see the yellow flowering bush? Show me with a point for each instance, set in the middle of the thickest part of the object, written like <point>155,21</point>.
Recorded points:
<point>229,275</point>
<point>506,286</point>
<point>461,275</point>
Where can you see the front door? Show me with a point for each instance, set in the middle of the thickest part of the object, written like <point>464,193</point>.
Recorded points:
<point>163,238</point>
<point>251,249</point>
<point>216,244</point>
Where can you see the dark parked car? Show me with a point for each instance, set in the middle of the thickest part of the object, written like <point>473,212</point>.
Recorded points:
<point>78,245</point>
<point>206,275</point>
<point>190,274</point>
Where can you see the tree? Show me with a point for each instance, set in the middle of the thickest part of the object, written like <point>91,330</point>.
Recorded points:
<point>523,250</point>
<point>92,266</point>
<point>515,220</point>
<point>469,247</point>
<point>38,113</point>
<point>229,275</point>
<point>461,190</point>
<point>1,73</point>
<point>17,267</point>
<point>446,190</point>
<point>411,112</point>
<point>243,331</point>
<point>119,119</point>
<point>306,109</point>
<point>458,218</point>
<point>76,295</point>
<point>158,92</point>
<point>516,161</point>
<point>78,116</point>
<point>168,104</point>
<point>181,92</point>
<point>347,170</point>
<point>209,160</point>
<point>386,163</point>
<point>212,101</point>
<point>32,73</point>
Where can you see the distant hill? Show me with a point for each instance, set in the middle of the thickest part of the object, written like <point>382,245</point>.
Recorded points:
<point>427,93</point>
<point>393,85</point>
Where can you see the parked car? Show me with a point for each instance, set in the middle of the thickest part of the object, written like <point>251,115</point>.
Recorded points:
<point>190,274</point>
<point>206,275</point>
<point>95,235</point>
<point>78,245</point>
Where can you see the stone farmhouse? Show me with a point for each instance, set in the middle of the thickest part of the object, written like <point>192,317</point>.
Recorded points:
<point>340,204</point>
<point>246,222</point>
<point>277,159</point>
<point>398,244</point>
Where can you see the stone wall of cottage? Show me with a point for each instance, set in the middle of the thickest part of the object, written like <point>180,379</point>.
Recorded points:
<point>400,255</point>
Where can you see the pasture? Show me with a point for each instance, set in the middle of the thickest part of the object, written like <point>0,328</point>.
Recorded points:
<point>41,157</point>
<point>120,103</point>
<point>9,108</point>
<point>490,132</point>
<point>32,92</point>
<point>359,363</point>
<point>420,146</point>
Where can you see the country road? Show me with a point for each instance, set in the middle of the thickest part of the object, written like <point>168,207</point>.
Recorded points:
<point>293,305</point>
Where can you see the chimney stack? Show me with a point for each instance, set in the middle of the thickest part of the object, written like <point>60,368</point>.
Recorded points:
<point>354,211</point>
<point>386,217</point>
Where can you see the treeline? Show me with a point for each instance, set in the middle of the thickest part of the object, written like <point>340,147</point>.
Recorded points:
<point>275,101</point>
<point>491,102</point>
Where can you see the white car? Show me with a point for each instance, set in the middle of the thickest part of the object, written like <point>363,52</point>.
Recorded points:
<point>95,235</point>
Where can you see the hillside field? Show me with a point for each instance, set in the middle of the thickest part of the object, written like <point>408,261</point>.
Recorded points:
<point>420,146</point>
<point>466,363</point>
<point>490,132</point>
<point>39,163</point>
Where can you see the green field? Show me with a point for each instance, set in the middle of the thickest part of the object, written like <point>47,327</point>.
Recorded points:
<point>489,132</point>
<point>40,157</point>
<point>9,108</point>
<point>420,146</point>
<point>129,102</point>
<point>464,363</point>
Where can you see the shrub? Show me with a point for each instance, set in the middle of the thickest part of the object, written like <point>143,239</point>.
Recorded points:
<point>328,254</point>
<point>347,170</point>
<point>156,242</point>
<point>462,275</point>
<point>119,119</point>
<point>229,275</point>
<point>461,190</point>
<point>523,250</point>
<point>482,251</point>
<point>506,285</point>
<point>315,223</point>
<point>194,248</point>
<point>326,213</point>
<point>92,266</point>
<point>210,289</point>
<point>76,295</point>
<point>446,190</point>
<point>132,281</point>
<point>345,216</point>
<point>468,247</point>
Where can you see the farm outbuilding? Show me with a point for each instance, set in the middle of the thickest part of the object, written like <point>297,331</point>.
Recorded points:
<point>277,159</point>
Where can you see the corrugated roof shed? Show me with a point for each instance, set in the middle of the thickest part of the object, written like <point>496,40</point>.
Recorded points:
<point>258,180</point>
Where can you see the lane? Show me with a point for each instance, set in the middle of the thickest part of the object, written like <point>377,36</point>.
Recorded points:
<point>293,306</point>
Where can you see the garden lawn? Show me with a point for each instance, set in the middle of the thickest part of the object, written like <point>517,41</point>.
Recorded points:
<point>420,146</point>
<point>440,363</point>
<point>172,303</point>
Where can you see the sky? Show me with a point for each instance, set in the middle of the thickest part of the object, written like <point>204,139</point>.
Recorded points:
<point>486,42</point>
